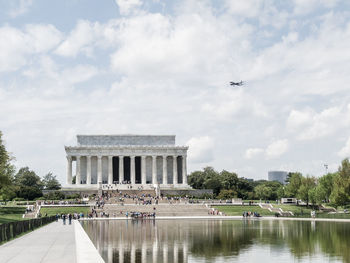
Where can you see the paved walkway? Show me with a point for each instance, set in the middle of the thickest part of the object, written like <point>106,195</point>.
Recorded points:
<point>52,243</point>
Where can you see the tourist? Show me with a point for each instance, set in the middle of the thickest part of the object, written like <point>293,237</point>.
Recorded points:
<point>64,219</point>
<point>70,218</point>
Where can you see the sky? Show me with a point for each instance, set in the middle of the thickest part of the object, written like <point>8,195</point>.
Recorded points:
<point>164,67</point>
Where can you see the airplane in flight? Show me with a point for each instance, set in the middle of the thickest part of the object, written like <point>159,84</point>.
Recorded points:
<point>236,83</point>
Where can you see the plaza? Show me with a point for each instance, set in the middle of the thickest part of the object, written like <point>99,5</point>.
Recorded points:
<point>127,162</point>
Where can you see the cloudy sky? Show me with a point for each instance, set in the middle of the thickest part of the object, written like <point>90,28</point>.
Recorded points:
<point>164,67</point>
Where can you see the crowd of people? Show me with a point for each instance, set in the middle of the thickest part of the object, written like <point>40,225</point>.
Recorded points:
<point>251,214</point>
<point>69,217</point>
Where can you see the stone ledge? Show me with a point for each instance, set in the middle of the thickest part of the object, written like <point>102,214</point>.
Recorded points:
<point>85,250</point>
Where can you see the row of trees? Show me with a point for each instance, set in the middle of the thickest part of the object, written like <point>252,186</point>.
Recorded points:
<point>333,188</point>
<point>23,184</point>
<point>227,185</point>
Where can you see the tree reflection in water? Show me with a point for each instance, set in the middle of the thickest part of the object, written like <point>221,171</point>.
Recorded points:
<point>209,240</point>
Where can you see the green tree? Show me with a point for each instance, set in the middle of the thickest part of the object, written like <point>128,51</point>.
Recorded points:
<point>213,183</point>
<point>307,184</point>
<point>29,184</point>
<point>294,184</point>
<point>262,191</point>
<point>227,194</point>
<point>280,192</point>
<point>196,179</point>
<point>325,185</point>
<point>340,195</point>
<point>6,169</point>
<point>50,182</point>
<point>229,180</point>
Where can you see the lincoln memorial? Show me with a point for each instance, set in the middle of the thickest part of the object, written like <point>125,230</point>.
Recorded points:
<point>127,161</point>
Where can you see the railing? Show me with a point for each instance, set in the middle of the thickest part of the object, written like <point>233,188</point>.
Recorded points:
<point>11,230</point>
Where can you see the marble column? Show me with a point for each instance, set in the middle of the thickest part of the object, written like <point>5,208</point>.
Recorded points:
<point>88,169</point>
<point>165,170</point>
<point>99,170</point>
<point>154,169</point>
<point>121,169</point>
<point>132,169</point>
<point>175,169</point>
<point>78,176</point>
<point>143,169</point>
<point>69,170</point>
<point>184,169</point>
<point>110,169</point>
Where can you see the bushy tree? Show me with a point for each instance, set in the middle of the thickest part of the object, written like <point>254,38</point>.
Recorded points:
<point>228,180</point>
<point>29,184</point>
<point>340,195</point>
<point>294,184</point>
<point>227,194</point>
<point>307,185</point>
<point>50,182</point>
<point>6,169</point>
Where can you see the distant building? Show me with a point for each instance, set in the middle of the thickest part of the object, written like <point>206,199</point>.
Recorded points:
<point>279,176</point>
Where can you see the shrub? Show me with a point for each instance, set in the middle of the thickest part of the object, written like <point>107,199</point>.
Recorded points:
<point>18,199</point>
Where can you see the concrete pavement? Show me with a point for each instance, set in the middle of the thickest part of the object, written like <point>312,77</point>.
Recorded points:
<point>52,243</point>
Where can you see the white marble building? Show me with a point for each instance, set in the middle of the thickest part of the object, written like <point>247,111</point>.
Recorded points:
<point>121,161</point>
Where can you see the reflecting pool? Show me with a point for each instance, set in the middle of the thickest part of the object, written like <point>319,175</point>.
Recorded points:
<point>220,240</point>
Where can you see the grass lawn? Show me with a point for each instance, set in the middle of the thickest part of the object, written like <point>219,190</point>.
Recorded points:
<point>64,210</point>
<point>11,213</point>
<point>238,210</point>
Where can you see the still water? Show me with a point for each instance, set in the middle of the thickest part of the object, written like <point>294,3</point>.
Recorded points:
<point>220,241</point>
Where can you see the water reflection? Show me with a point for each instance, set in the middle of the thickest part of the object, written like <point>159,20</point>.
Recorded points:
<point>219,240</point>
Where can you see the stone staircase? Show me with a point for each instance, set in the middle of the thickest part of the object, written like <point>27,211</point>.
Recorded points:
<point>327,209</point>
<point>161,209</point>
<point>276,210</point>
<point>31,214</point>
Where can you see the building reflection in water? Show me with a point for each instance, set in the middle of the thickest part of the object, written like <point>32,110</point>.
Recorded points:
<point>138,241</point>
<point>176,241</point>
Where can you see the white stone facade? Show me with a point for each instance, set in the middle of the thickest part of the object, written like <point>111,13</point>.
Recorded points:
<point>127,161</point>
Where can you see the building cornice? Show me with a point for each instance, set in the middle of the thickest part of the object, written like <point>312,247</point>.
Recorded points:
<point>124,147</point>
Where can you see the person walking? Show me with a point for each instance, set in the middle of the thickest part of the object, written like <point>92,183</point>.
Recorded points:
<point>70,218</point>
<point>64,219</point>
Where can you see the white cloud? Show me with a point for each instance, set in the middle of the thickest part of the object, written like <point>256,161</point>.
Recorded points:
<point>248,8</point>
<point>20,44</point>
<point>310,125</point>
<point>302,7</point>
<point>168,71</point>
<point>277,148</point>
<point>200,149</point>
<point>253,152</point>
<point>127,6</point>
<point>297,119</point>
<point>20,7</point>
<point>345,151</point>
<point>79,39</point>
